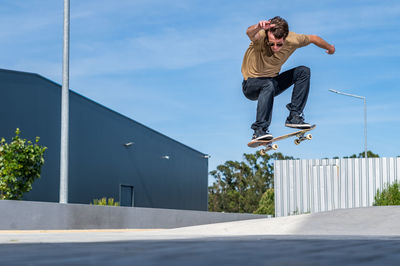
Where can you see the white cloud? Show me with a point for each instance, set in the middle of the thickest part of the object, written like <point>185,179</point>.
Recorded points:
<point>169,49</point>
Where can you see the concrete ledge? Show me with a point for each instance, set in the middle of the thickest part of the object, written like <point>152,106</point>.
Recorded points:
<point>367,221</point>
<point>30,215</point>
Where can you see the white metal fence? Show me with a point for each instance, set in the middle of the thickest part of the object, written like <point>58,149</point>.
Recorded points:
<point>308,186</point>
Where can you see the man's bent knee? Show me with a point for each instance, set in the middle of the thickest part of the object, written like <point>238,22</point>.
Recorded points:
<point>304,71</point>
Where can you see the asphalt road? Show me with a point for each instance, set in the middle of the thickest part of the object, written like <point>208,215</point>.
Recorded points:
<point>250,250</point>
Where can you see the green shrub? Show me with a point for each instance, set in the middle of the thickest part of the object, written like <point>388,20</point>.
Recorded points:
<point>390,195</point>
<point>105,202</point>
<point>20,165</point>
<point>267,203</point>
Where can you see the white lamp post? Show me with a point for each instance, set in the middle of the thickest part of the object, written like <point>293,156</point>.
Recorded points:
<point>65,110</point>
<point>365,114</point>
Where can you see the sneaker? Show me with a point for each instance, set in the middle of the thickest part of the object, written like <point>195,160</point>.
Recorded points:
<point>296,121</point>
<point>261,135</point>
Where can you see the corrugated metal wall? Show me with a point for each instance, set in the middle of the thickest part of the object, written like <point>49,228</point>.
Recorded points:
<point>308,186</point>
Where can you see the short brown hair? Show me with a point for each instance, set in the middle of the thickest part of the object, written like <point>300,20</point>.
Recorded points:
<point>281,28</point>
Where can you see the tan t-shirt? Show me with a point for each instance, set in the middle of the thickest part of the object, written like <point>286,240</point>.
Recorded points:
<point>260,61</point>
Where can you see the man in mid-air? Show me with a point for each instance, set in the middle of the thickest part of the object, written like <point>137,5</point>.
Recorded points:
<point>271,45</point>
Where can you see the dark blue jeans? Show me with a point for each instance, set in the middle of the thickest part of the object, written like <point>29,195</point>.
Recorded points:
<point>265,89</point>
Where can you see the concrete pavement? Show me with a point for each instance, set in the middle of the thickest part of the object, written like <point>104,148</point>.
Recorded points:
<point>364,236</point>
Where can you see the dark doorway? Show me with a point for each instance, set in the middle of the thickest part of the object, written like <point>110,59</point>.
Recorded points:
<point>127,196</point>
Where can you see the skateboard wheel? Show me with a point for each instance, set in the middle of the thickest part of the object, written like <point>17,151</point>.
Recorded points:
<point>297,141</point>
<point>262,152</point>
<point>308,136</point>
<point>275,146</point>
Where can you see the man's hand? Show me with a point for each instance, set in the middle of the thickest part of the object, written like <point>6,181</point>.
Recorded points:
<point>318,41</point>
<point>265,25</point>
<point>331,49</point>
<point>252,31</point>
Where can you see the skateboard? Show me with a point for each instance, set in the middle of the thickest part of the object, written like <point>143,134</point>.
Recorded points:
<point>300,136</point>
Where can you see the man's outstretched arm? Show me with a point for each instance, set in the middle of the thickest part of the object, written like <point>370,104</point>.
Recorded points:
<point>318,41</point>
<point>252,31</point>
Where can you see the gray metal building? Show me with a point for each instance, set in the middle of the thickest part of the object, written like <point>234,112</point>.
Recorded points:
<point>155,171</point>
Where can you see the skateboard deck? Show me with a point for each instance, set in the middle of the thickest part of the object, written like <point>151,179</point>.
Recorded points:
<point>301,136</point>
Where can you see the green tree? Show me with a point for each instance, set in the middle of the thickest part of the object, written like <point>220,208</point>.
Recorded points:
<point>370,154</point>
<point>238,186</point>
<point>267,203</point>
<point>390,195</point>
<point>20,165</point>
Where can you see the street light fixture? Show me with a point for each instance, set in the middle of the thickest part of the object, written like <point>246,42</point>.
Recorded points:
<point>128,144</point>
<point>365,114</point>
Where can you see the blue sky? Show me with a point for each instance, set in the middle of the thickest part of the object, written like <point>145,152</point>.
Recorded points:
<point>175,67</point>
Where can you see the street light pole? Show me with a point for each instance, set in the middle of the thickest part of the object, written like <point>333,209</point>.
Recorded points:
<point>65,110</point>
<point>365,115</point>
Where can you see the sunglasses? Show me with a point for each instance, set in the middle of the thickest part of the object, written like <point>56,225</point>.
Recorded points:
<point>279,44</point>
